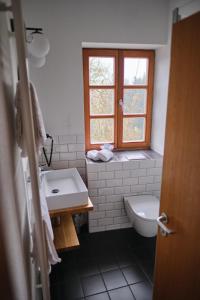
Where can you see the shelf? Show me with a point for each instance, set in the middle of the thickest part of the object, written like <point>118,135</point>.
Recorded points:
<point>72,210</point>
<point>65,236</point>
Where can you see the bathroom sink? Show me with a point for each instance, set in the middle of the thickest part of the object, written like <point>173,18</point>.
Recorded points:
<point>64,188</point>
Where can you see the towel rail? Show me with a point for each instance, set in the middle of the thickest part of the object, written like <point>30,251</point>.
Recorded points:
<point>30,143</point>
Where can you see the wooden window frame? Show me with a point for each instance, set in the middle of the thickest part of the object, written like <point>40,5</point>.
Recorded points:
<point>118,87</point>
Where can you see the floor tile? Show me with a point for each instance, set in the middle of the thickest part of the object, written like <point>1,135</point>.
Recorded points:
<point>102,296</point>
<point>69,290</point>
<point>114,279</point>
<point>93,285</point>
<point>107,263</point>
<point>87,267</point>
<point>133,274</point>
<point>107,252</point>
<point>126,258</point>
<point>142,291</point>
<point>121,294</point>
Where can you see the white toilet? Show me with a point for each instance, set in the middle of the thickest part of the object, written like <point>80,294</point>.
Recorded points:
<point>143,211</point>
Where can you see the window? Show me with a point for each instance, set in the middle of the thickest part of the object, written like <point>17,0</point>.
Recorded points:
<point>118,88</point>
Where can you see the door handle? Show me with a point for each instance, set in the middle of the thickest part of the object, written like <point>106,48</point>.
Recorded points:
<point>161,221</point>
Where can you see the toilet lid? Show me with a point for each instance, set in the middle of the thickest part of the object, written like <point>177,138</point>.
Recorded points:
<point>145,206</point>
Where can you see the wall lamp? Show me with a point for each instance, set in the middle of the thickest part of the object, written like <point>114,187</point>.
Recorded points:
<point>37,44</point>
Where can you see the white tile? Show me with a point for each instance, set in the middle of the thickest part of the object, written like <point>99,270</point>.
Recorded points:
<point>97,229</point>
<point>114,198</point>
<point>147,163</point>
<point>93,192</point>
<point>113,182</point>
<point>130,181</point>
<point>96,215</point>
<point>79,163</point>
<point>122,174</point>
<point>96,184</point>
<point>118,205</point>
<point>92,176</point>
<point>106,206</point>
<point>93,223</point>
<point>130,164</point>
<point>105,221</point>
<point>111,166</point>
<point>153,187</point>
<point>159,163</point>
<point>48,148</point>
<point>55,157</point>
<point>154,171</point>
<point>55,139</point>
<point>95,167</point>
<point>56,165</point>
<point>80,155</point>
<point>80,139</point>
<point>157,194</point>
<point>61,148</point>
<point>138,188</point>
<point>66,139</point>
<point>82,171</point>
<point>98,199</point>
<point>113,227</point>
<point>106,175</point>
<point>123,212</point>
<point>146,179</point>
<point>138,172</point>
<point>122,190</point>
<point>157,179</point>
<point>76,147</point>
<point>68,156</point>
<point>120,220</point>
<point>113,213</point>
<point>106,191</point>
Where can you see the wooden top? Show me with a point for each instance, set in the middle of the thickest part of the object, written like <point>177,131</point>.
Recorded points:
<point>65,236</point>
<point>72,210</point>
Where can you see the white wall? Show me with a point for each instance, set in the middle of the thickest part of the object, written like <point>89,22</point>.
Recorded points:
<point>162,76</point>
<point>68,24</point>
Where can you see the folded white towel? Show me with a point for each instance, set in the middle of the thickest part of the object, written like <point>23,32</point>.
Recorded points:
<point>40,133</point>
<point>93,154</point>
<point>105,155</point>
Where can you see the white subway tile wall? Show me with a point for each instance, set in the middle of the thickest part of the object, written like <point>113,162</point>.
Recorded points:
<point>108,183</point>
<point>69,152</point>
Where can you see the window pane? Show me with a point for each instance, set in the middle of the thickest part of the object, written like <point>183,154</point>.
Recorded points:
<point>135,71</point>
<point>133,130</point>
<point>102,131</point>
<point>101,70</point>
<point>135,101</point>
<point>101,102</point>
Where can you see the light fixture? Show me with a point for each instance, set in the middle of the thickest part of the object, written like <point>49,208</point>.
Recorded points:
<point>38,44</point>
<point>36,62</point>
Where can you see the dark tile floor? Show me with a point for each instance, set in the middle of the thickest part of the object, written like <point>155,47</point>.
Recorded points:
<point>112,265</point>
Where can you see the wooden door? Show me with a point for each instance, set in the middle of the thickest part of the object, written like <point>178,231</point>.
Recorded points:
<point>177,269</point>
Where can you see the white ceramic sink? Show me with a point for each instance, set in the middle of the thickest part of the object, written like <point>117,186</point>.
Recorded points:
<point>65,188</point>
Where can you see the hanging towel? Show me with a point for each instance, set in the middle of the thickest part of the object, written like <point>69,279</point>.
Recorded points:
<point>39,129</point>
<point>48,231</point>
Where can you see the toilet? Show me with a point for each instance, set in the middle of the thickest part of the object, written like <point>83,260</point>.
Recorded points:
<point>143,210</point>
